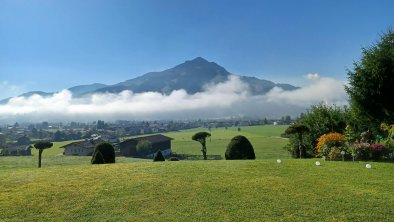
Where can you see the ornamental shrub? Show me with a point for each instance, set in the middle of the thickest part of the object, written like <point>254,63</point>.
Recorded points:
<point>158,156</point>
<point>335,153</point>
<point>327,141</point>
<point>378,151</point>
<point>107,151</point>
<point>240,148</point>
<point>97,158</point>
<point>366,151</point>
<point>363,151</point>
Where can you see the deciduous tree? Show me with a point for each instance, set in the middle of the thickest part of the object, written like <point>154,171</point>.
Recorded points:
<point>144,147</point>
<point>371,83</point>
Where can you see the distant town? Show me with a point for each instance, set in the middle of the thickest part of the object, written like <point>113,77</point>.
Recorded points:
<point>17,136</point>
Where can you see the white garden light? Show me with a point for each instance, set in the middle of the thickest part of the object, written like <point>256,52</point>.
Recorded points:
<point>317,163</point>
<point>368,166</point>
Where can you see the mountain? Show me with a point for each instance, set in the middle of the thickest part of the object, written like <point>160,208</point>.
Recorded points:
<point>28,94</point>
<point>84,89</point>
<point>191,76</point>
<point>261,86</point>
<point>77,91</point>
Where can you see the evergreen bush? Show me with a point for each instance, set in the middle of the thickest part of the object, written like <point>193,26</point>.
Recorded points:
<point>158,156</point>
<point>240,148</point>
<point>107,152</point>
<point>97,158</point>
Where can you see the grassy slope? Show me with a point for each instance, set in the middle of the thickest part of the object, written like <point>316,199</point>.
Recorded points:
<point>70,189</point>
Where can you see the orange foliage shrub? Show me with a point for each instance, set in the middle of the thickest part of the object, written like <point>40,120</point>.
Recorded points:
<point>329,140</point>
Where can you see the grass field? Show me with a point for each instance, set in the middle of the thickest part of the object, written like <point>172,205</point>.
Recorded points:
<point>71,189</point>
<point>265,140</point>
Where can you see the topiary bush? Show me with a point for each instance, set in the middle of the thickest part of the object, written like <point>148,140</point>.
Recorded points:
<point>158,156</point>
<point>240,148</point>
<point>97,158</point>
<point>107,152</point>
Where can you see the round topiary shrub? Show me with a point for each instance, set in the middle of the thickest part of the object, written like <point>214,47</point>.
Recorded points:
<point>107,152</point>
<point>240,148</point>
<point>97,158</point>
<point>158,156</point>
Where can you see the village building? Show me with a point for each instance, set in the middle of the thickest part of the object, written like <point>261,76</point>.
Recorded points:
<point>16,150</point>
<point>81,148</point>
<point>159,142</point>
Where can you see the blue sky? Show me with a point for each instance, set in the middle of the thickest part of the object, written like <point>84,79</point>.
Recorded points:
<point>50,45</point>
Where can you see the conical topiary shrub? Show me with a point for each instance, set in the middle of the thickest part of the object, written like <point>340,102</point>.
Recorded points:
<point>107,152</point>
<point>158,156</point>
<point>240,148</point>
<point>97,158</point>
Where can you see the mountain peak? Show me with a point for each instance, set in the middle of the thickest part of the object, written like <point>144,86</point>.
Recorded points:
<point>198,59</point>
<point>203,66</point>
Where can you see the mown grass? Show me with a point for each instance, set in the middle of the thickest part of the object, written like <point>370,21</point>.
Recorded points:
<point>259,190</point>
<point>266,141</point>
<point>71,189</point>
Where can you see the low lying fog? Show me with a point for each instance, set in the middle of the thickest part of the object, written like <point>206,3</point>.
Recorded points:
<point>231,98</point>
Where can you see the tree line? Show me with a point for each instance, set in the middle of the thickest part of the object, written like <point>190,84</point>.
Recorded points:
<point>369,118</point>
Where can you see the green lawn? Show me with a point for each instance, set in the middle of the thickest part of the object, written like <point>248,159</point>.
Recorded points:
<point>259,190</point>
<point>71,189</point>
<point>265,140</point>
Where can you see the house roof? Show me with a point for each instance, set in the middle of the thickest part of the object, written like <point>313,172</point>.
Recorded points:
<point>84,144</point>
<point>16,146</point>
<point>153,139</point>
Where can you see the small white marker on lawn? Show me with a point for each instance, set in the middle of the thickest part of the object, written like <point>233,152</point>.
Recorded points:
<point>279,161</point>
<point>317,163</point>
<point>368,166</point>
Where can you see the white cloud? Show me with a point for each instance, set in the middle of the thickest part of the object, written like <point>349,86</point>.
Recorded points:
<point>312,76</point>
<point>322,89</point>
<point>231,98</point>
